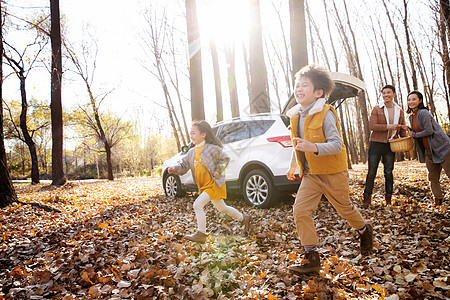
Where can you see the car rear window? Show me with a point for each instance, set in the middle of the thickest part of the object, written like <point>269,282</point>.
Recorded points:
<point>259,127</point>
<point>234,132</point>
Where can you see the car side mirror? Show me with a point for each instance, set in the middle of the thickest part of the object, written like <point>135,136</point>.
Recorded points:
<point>184,149</point>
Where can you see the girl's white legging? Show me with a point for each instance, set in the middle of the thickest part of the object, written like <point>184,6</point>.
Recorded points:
<point>219,204</point>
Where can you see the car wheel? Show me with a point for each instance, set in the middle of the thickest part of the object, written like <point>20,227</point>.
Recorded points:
<point>172,186</point>
<point>258,189</point>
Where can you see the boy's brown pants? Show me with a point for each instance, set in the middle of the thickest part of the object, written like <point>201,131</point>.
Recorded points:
<point>335,188</point>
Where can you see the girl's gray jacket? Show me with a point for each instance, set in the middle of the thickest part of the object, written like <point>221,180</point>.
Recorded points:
<point>213,157</point>
<point>437,138</point>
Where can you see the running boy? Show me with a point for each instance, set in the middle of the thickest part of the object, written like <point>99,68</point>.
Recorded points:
<point>321,157</point>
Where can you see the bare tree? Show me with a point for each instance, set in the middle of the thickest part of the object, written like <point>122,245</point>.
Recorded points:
<point>274,80</point>
<point>399,45</point>
<point>154,40</point>
<point>195,60</point>
<point>259,96</point>
<point>283,59</point>
<point>354,68</point>
<point>443,24</point>
<point>7,192</point>
<point>246,67</point>
<point>409,46</point>
<point>174,79</point>
<point>231,69</point>
<point>18,66</point>
<point>82,69</point>
<point>217,81</point>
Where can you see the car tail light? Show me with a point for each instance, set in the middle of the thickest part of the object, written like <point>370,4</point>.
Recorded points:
<point>284,141</point>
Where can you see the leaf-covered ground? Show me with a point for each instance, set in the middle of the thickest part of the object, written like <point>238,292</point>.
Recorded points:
<point>123,240</point>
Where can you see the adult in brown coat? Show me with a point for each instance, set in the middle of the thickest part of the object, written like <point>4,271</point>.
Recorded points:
<point>386,120</point>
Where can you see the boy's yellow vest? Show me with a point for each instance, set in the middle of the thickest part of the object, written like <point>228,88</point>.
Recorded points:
<point>312,132</point>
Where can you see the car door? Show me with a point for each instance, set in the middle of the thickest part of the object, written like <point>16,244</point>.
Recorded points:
<point>235,137</point>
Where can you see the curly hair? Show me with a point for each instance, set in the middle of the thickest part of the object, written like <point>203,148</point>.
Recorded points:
<point>319,76</point>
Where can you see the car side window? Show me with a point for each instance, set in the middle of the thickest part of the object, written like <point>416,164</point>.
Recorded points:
<point>260,127</point>
<point>234,132</point>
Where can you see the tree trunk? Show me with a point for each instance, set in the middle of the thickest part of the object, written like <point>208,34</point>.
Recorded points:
<point>344,134</point>
<point>195,61</point>
<point>247,68</point>
<point>445,14</point>
<point>217,81</point>
<point>360,102</point>
<point>445,52</point>
<point>298,35</point>
<point>274,75</point>
<point>362,96</point>
<point>259,96</point>
<point>109,161</point>
<point>234,101</point>
<point>408,47</point>
<point>58,177</point>
<point>101,133</point>
<point>26,135</point>
<point>400,49</point>
<point>336,60</point>
<point>7,193</point>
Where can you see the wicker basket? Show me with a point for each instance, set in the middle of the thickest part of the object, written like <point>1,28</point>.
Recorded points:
<point>403,144</point>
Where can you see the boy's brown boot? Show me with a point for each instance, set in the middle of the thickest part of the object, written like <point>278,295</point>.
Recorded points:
<point>198,237</point>
<point>388,198</point>
<point>366,240</point>
<point>311,263</point>
<point>366,201</point>
<point>438,201</point>
<point>246,222</point>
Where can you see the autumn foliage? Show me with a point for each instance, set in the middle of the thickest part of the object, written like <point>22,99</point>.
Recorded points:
<point>123,240</point>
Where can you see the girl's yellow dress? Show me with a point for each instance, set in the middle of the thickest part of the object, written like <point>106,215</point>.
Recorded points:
<point>205,181</point>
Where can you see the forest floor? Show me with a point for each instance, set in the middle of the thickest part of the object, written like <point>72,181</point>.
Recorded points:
<point>123,240</point>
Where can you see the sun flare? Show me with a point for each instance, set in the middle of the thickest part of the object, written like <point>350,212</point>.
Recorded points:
<point>224,20</point>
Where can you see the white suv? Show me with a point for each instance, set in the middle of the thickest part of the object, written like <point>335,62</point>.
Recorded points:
<point>260,150</point>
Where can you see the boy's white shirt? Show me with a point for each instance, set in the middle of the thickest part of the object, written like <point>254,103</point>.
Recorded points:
<point>317,107</point>
<point>397,109</point>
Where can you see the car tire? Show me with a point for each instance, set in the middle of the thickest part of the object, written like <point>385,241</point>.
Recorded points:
<point>172,186</point>
<point>259,190</point>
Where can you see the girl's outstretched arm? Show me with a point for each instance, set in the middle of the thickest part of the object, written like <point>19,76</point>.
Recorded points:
<point>182,167</point>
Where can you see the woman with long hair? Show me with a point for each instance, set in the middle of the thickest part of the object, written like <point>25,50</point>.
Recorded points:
<point>432,143</point>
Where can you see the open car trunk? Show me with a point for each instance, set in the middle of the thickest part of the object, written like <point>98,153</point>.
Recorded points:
<point>346,86</point>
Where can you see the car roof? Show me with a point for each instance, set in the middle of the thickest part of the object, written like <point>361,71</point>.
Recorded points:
<point>346,86</point>
<point>253,117</point>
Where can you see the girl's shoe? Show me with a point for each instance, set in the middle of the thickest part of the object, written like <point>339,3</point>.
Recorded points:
<point>246,222</point>
<point>198,237</point>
